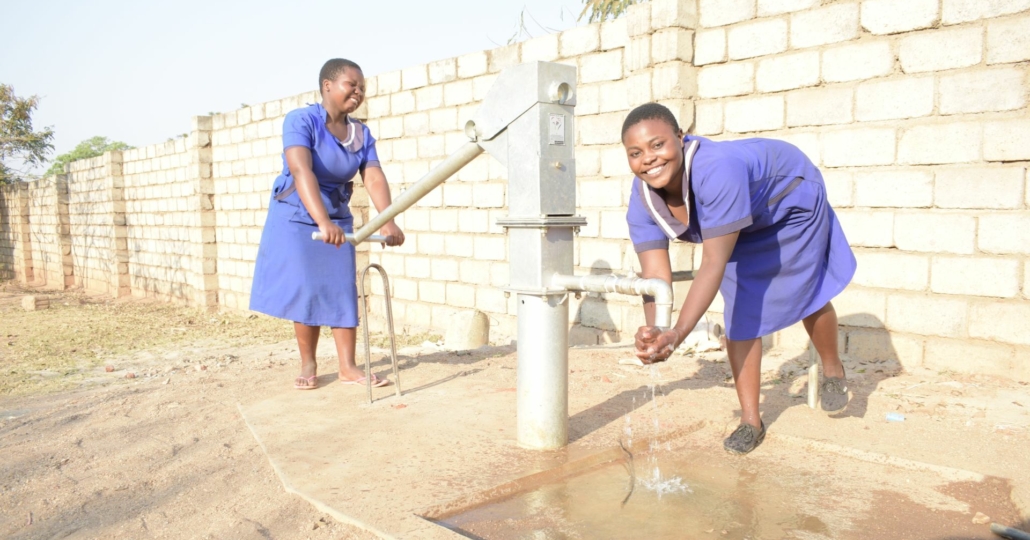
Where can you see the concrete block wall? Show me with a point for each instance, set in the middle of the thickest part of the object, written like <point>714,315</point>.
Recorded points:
<point>15,239</point>
<point>916,112</point>
<point>49,232</point>
<point>169,218</point>
<point>90,214</point>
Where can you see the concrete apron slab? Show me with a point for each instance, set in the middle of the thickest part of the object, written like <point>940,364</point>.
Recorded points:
<point>449,442</point>
<point>380,467</point>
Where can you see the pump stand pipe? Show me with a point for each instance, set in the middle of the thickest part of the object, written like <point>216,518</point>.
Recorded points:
<point>410,196</point>
<point>659,289</point>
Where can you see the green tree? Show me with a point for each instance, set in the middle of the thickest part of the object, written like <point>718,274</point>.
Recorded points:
<point>17,139</point>
<point>91,147</point>
<point>601,10</point>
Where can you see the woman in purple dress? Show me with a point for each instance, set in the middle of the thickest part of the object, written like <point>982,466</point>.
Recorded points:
<point>313,283</point>
<point>771,244</point>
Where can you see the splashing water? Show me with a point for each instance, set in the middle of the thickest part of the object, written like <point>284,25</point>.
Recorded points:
<point>655,481</point>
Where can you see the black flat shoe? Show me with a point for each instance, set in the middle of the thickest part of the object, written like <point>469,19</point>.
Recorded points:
<point>744,439</point>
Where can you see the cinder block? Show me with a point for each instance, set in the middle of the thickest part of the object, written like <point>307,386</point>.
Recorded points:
<point>490,248</point>
<point>723,12</point>
<point>504,57</point>
<point>580,40</point>
<point>839,188</point>
<point>459,245</point>
<point>429,97</point>
<point>861,307</point>
<point>672,44</point>
<point>984,90</point>
<point>488,195</point>
<point>1007,140</point>
<point>481,86</point>
<point>893,17</point>
<point>638,19</point>
<point>941,143</point>
<point>614,35</point>
<point>960,11</point>
<point>638,54</point>
<point>707,120</point>
<point>777,7</point>
<point>443,71</point>
<point>443,220</point>
<point>1006,322</point>
<point>830,24</point>
<point>638,88</point>
<point>892,270</point>
<point>894,189</point>
<point>1005,233</point>
<point>788,72</point>
<point>414,77</point>
<point>755,114</point>
<point>388,83</point>
<point>723,80</point>
<point>402,102</point>
<point>673,80</point>
<point>977,276</point>
<point>820,106</point>
<point>600,253</point>
<point>1008,40</point>
<point>543,48</point>
<point>939,50</point>
<point>35,303</point>
<point>970,356</point>
<point>866,228</point>
<point>979,187</point>
<point>865,60</point>
<point>858,147</point>
<point>430,244</point>
<point>605,66</point>
<point>600,193</point>
<point>927,315</point>
<point>673,14</point>
<point>443,120</point>
<point>444,269</point>
<point>416,124</point>
<point>459,295</point>
<point>599,129</point>
<point>909,97</point>
<point>710,46</point>
<point>613,162</point>
<point>935,232</point>
<point>472,65</point>
<point>457,93</point>
<point>614,226</point>
<point>432,292</point>
<point>759,38</point>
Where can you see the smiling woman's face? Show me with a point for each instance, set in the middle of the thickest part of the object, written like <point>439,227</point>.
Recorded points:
<point>654,151</point>
<point>347,91</point>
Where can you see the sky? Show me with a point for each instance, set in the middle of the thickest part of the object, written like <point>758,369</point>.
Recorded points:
<point>136,71</point>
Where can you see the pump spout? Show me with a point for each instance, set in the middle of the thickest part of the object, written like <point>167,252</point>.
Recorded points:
<point>658,288</point>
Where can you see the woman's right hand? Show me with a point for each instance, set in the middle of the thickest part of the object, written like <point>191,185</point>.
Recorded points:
<point>332,234</point>
<point>654,344</point>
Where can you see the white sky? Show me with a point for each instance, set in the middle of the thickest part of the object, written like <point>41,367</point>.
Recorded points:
<point>136,71</point>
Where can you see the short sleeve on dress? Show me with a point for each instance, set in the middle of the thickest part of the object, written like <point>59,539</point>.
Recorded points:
<point>643,231</point>
<point>370,157</point>
<point>723,198</point>
<point>298,129</point>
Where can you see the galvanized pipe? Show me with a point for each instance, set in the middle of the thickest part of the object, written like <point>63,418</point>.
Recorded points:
<point>410,196</point>
<point>350,237</point>
<point>658,288</point>
<point>543,371</point>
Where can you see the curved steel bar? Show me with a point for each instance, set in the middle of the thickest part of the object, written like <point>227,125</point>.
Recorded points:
<point>658,288</point>
<point>389,320</point>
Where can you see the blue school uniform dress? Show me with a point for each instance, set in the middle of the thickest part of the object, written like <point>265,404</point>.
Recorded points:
<point>296,278</point>
<point>791,257</point>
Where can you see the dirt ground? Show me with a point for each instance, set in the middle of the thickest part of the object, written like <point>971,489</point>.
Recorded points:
<point>90,453</point>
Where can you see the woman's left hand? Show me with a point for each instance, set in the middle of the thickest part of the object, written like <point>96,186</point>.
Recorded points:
<point>394,235</point>
<point>654,345</point>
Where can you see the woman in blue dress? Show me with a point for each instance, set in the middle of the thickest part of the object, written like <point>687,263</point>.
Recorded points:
<point>771,244</point>
<point>313,283</point>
